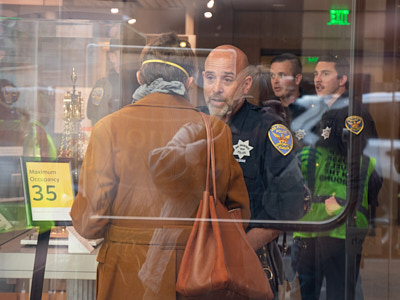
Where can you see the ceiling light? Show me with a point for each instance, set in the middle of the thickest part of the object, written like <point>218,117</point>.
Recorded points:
<point>210,4</point>
<point>131,21</point>
<point>208,14</point>
<point>114,10</point>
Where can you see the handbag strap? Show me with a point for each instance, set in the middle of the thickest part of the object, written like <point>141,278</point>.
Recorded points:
<point>210,155</point>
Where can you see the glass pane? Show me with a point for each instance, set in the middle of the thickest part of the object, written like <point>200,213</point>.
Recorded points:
<point>309,151</point>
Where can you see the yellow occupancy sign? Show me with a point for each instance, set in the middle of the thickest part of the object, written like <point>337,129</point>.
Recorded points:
<point>50,190</point>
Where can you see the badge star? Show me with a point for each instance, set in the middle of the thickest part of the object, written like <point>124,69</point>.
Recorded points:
<point>326,132</point>
<point>300,134</point>
<point>242,149</point>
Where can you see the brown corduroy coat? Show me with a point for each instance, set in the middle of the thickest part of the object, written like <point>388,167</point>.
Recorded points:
<point>139,170</point>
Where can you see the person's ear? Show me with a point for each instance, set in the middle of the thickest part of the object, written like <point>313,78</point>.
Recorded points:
<point>248,81</point>
<point>189,83</point>
<point>138,77</point>
<point>343,80</point>
<point>298,78</point>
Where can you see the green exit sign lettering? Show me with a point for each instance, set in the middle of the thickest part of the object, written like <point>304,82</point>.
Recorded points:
<point>339,17</point>
<point>312,59</point>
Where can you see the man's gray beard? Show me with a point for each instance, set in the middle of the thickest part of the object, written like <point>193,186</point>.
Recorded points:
<point>219,112</point>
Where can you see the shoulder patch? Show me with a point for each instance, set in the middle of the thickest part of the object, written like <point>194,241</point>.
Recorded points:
<point>281,137</point>
<point>354,124</point>
<point>97,95</point>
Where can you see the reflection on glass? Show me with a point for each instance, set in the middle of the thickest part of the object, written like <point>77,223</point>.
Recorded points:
<point>285,44</point>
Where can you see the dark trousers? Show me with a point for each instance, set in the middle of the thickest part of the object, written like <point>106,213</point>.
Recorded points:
<point>317,258</point>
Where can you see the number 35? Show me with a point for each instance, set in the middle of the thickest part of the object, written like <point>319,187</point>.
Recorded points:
<point>51,195</point>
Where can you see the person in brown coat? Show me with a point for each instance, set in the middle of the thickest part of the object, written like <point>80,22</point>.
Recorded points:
<point>145,168</point>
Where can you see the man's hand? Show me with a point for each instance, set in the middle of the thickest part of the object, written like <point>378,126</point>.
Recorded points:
<point>331,205</point>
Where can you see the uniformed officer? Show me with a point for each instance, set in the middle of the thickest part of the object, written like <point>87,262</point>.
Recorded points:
<point>322,255</point>
<point>14,122</point>
<point>105,97</point>
<point>286,76</point>
<point>14,126</point>
<point>262,143</point>
<point>331,86</point>
<point>114,91</point>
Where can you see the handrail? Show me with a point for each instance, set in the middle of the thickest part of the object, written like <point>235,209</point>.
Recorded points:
<point>12,199</point>
<point>284,225</point>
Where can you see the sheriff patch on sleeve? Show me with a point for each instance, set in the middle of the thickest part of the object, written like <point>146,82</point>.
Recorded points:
<point>354,124</point>
<point>97,95</point>
<point>281,138</point>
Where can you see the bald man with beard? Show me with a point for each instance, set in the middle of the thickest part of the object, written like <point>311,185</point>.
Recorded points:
<point>223,90</point>
<point>261,141</point>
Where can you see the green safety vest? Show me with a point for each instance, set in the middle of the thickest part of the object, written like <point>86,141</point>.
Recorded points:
<point>32,147</point>
<point>330,178</point>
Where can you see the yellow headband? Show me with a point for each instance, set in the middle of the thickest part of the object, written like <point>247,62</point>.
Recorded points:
<point>166,62</point>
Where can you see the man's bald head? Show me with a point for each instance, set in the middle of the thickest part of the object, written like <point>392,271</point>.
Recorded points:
<point>240,57</point>
<point>225,83</point>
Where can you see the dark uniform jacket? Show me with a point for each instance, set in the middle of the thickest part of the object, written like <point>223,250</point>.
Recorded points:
<point>273,179</point>
<point>105,97</point>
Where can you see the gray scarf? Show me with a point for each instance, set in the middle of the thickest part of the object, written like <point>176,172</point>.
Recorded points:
<point>159,86</point>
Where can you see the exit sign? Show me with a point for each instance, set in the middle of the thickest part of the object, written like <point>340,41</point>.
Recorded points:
<point>312,59</point>
<point>339,17</point>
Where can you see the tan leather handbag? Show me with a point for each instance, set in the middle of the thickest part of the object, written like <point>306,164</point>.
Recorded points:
<point>219,262</point>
